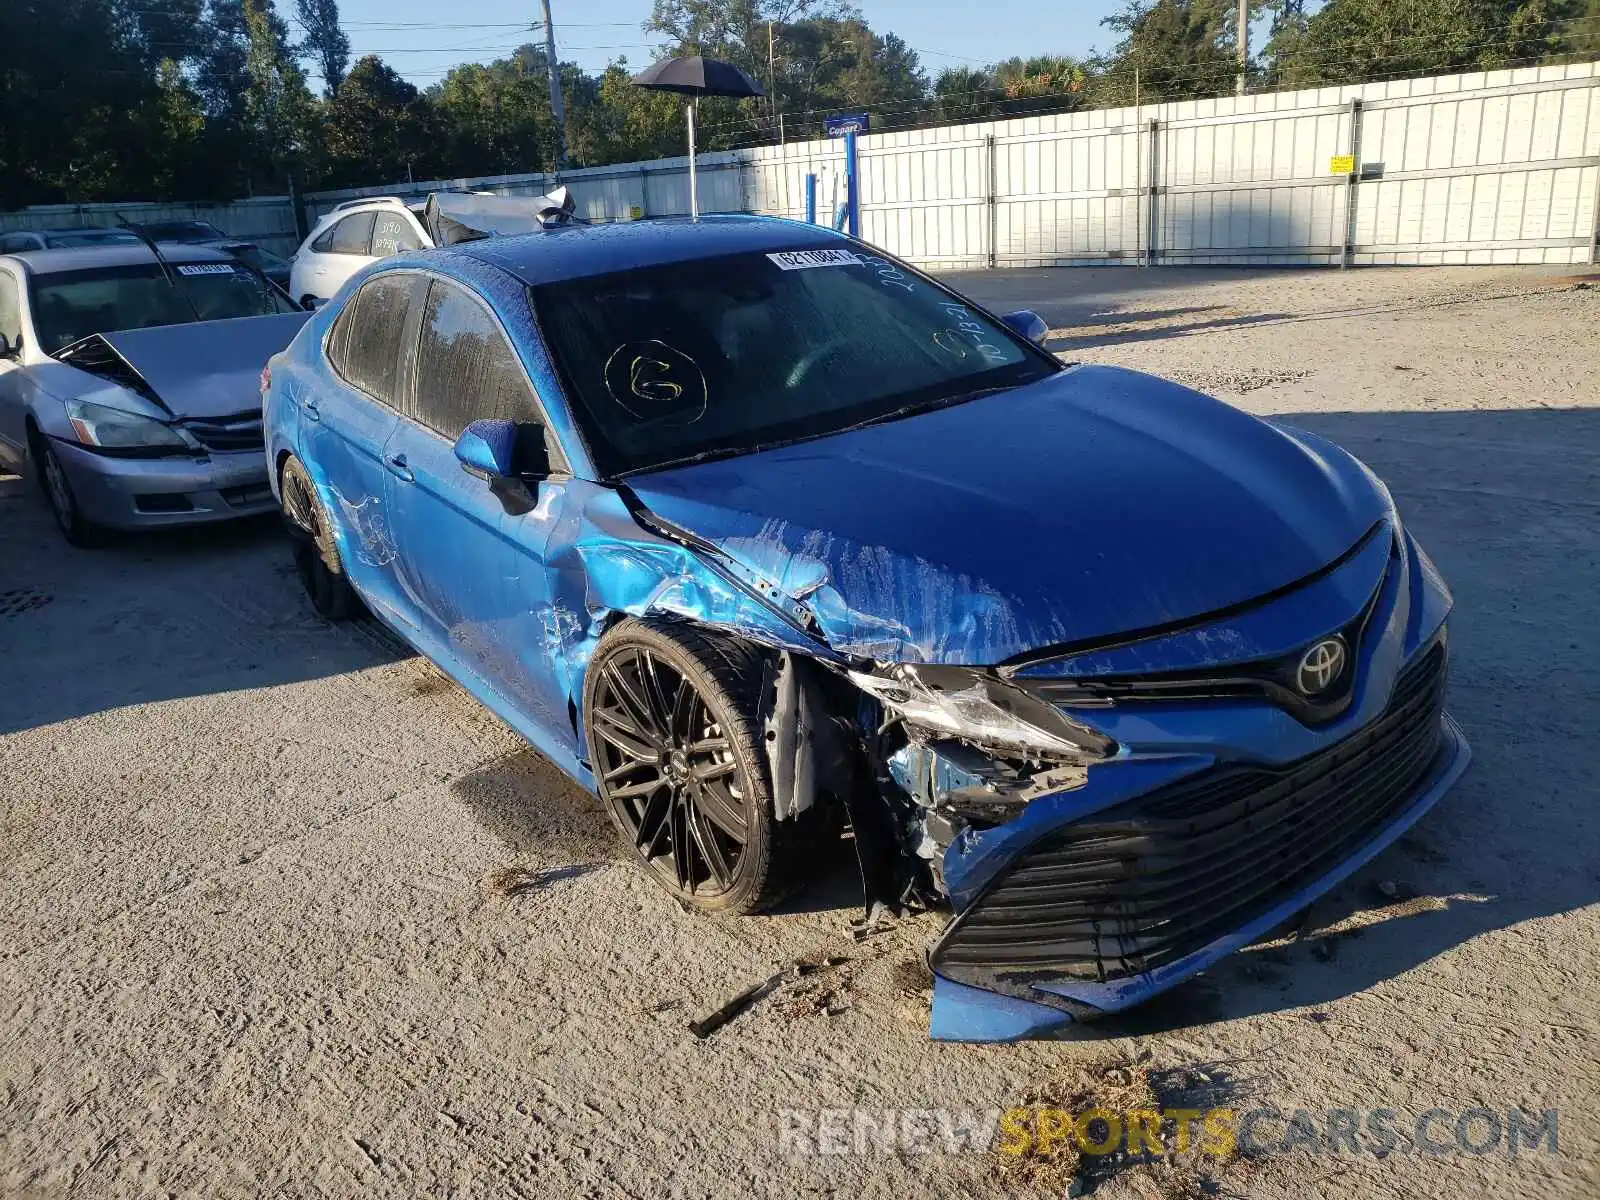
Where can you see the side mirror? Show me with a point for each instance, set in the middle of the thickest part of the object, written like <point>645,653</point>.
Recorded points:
<point>495,449</point>
<point>1029,324</point>
<point>488,448</point>
<point>312,303</point>
<point>7,350</point>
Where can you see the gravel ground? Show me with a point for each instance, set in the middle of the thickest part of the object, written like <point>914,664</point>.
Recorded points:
<point>283,911</point>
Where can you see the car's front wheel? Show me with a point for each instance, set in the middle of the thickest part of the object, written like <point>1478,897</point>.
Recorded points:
<point>316,552</point>
<point>676,752</point>
<point>57,488</point>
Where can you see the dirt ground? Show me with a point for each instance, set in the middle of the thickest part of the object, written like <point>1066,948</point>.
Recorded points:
<point>284,912</point>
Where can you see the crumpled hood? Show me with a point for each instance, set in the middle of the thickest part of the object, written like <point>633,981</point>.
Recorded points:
<point>1097,502</point>
<point>205,368</point>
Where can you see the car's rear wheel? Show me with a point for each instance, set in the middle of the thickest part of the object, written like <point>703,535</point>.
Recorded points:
<point>57,488</point>
<point>316,552</point>
<point>676,754</point>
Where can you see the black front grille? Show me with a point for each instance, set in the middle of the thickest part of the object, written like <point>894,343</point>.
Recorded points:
<point>224,434</point>
<point>1148,882</point>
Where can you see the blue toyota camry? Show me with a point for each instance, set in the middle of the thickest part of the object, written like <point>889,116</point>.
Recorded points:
<point>761,534</point>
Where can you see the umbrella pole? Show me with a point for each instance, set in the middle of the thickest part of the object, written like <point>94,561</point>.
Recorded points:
<point>694,192</point>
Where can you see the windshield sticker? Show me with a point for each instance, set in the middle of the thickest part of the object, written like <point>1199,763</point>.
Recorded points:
<point>801,260</point>
<point>889,275</point>
<point>205,269</point>
<point>656,383</point>
<point>974,332</point>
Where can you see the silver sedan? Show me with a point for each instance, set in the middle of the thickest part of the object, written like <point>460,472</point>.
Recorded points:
<point>130,382</point>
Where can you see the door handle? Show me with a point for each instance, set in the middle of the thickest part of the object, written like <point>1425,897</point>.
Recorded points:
<point>397,467</point>
<point>310,408</point>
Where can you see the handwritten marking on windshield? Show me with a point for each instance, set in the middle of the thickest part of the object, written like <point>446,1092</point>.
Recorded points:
<point>645,380</point>
<point>974,331</point>
<point>889,275</point>
<point>652,381</point>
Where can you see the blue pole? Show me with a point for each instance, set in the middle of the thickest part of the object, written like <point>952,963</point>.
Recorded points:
<point>852,186</point>
<point>811,199</point>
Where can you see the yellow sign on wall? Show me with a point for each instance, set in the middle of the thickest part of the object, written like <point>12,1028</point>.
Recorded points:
<point>635,213</point>
<point>1342,164</point>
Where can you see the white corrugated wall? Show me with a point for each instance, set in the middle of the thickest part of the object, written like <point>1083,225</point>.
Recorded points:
<point>1485,167</point>
<point>1488,167</point>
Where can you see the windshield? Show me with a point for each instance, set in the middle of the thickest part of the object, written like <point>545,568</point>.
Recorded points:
<point>261,260</point>
<point>183,231</point>
<point>728,354</point>
<point>98,237</point>
<point>68,305</point>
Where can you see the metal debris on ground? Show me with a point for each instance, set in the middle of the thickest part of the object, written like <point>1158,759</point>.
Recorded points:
<point>720,1016</point>
<point>800,968</point>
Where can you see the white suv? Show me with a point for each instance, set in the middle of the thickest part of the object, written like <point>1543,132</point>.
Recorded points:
<point>354,234</point>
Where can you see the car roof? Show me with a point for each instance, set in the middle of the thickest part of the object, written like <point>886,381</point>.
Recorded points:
<point>575,251</point>
<point>68,230</point>
<point>116,254</point>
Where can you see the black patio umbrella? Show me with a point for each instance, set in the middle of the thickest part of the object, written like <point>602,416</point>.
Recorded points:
<point>695,76</point>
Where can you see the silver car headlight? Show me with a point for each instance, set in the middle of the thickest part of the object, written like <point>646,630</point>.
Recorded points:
<point>113,429</point>
<point>976,706</point>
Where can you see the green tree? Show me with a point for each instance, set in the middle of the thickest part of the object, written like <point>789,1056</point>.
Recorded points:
<point>965,94</point>
<point>77,100</point>
<point>1349,40</point>
<point>626,123</point>
<point>497,117</point>
<point>1044,83</point>
<point>1179,49</point>
<point>378,128</point>
<point>325,43</point>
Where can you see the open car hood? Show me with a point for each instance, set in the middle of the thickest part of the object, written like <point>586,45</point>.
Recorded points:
<point>455,217</point>
<point>198,369</point>
<point>1095,503</point>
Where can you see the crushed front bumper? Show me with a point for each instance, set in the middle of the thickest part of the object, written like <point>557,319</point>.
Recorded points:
<point>147,493</point>
<point>962,1012</point>
<point>1224,812</point>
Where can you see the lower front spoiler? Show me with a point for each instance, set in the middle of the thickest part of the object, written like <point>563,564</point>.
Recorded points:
<point>962,1013</point>
<point>152,493</point>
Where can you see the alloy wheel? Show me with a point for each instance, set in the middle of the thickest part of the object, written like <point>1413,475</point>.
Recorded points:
<point>667,768</point>
<point>299,505</point>
<point>55,484</point>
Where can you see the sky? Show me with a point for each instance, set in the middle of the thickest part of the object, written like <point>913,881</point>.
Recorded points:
<point>423,39</point>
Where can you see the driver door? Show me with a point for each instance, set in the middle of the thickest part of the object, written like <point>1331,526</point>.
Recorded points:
<point>472,566</point>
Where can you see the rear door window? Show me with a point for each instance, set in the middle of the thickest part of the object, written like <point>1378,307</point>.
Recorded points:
<point>352,235</point>
<point>367,346</point>
<point>392,233</point>
<point>466,369</point>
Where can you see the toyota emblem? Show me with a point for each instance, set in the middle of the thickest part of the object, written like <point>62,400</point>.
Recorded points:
<point>1320,666</point>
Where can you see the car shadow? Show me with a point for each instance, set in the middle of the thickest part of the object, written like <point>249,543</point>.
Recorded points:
<point>155,616</point>
<point>1116,328</point>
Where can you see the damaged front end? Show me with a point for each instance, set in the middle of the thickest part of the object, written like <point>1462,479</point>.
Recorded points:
<point>1104,822</point>
<point>958,749</point>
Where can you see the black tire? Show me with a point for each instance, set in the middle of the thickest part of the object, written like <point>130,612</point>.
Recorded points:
<point>57,489</point>
<point>699,818</point>
<point>316,552</point>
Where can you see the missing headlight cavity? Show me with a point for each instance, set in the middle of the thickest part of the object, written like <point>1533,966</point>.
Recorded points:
<point>913,756</point>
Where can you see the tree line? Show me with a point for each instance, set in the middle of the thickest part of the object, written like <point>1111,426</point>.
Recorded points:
<point>213,99</point>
